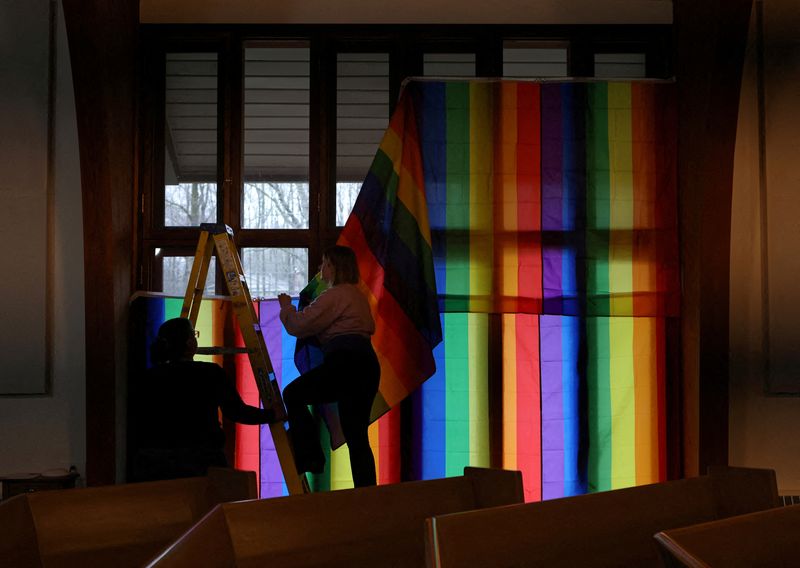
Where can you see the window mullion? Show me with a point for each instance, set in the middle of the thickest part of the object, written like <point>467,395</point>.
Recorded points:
<point>232,111</point>
<point>322,147</point>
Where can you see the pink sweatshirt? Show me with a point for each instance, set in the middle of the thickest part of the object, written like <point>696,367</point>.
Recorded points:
<point>339,310</point>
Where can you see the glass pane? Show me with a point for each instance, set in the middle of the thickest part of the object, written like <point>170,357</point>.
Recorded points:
<point>190,139</point>
<point>619,65</point>
<point>189,204</point>
<point>276,120</point>
<point>275,205</point>
<point>362,115</point>
<point>176,271</point>
<point>270,271</point>
<point>346,194</point>
<point>521,60</point>
<point>449,64</point>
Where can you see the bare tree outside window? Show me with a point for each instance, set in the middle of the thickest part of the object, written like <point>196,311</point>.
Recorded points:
<point>346,194</point>
<point>270,271</point>
<point>176,271</point>
<point>275,205</point>
<point>189,204</point>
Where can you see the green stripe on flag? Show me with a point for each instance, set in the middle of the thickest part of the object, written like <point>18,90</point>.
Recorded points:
<point>598,383</point>
<point>457,367</point>
<point>598,199</point>
<point>457,186</point>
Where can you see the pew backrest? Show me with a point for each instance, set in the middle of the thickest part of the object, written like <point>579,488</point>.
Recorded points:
<point>613,528</point>
<point>115,525</point>
<point>18,545</point>
<point>765,538</point>
<point>381,525</point>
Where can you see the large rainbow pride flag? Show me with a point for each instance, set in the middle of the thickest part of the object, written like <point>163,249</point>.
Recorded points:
<point>533,228</point>
<point>550,212</point>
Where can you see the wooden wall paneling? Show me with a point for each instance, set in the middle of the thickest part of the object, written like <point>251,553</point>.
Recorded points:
<point>710,40</point>
<point>102,39</point>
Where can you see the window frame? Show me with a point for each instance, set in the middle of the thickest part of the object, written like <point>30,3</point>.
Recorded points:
<point>406,46</point>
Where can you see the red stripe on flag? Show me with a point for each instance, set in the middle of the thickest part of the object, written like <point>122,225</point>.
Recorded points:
<point>529,213</point>
<point>248,444</point>
<point>529,414</point>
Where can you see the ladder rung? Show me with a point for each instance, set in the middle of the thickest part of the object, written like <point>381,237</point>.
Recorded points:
<point>221,350</point>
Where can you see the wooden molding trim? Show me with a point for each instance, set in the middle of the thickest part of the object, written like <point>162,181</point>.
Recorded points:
<point>102,37</point>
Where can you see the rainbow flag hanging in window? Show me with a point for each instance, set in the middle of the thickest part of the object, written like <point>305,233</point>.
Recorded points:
<point>553,223</point>
<point>555,205</point>
<point>519,245</point>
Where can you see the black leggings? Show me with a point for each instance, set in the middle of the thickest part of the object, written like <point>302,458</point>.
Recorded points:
<point>348,376</point>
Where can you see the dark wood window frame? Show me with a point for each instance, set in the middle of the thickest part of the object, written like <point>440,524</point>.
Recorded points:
<point>405,45</point>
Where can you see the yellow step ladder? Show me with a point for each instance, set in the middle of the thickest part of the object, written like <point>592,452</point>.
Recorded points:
<point>220,237</point>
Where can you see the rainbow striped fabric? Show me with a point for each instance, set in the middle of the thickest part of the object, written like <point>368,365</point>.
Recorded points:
<point>553,205</point>
<point>389,231</point>
<point>533,227</point>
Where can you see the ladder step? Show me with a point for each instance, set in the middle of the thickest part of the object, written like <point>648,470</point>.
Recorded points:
<point>222,350</point>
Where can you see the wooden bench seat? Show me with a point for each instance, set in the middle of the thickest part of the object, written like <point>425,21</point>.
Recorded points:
<point>372,526</point>
<point>613,528</point>
<point>115,525</point>
<point>765,538</point>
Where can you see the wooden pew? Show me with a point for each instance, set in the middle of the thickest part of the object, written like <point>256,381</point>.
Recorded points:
<point>613,528</point>
<point>766,538</point>
<point>371,526</point>
<point>116,525</point>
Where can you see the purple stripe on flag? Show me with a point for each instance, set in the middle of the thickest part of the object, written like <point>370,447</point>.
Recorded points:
<point>272,329</point>
<point>272,483</point>
<point>552,159</point>
<point>552,408</point>
<point>552,197</point>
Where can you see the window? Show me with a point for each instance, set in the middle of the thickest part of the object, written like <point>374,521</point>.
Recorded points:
<point>362,115</point>
<point>272,131</point>
<point>190,139</point>
<point>276,145</point>
<point>271,271</point>
<point>175,272</point>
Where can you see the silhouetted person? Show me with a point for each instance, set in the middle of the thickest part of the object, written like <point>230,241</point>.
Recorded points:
<point>349,375</point>
<point>178,432</point>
